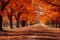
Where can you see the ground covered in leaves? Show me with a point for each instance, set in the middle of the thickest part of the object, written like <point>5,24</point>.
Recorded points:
<point>34,32</point>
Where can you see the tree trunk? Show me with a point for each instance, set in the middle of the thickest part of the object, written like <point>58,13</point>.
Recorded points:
<point>19,14</point>
<point>59,24</point>
<point>11,22</point>
<point>1,23</point>
<point>17,23</point>
<point>10,19</point>
<point>23,23</point>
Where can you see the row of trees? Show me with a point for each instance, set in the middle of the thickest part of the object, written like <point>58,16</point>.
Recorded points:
<point>55,4</point>
<point>53,23</point>
<point>17,17</point>
<point>10,14</point>
<point>13,12</point>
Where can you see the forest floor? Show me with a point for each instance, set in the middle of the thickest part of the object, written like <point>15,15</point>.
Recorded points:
<point>33,32</point>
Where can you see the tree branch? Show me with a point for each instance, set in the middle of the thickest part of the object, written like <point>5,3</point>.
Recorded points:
<point>51,3</point>
<point>4,4</point>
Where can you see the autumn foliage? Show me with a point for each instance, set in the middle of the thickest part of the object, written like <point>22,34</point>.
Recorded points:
<point>51,12</point>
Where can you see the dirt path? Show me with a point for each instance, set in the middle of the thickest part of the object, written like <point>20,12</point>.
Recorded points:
<point>34,32</point>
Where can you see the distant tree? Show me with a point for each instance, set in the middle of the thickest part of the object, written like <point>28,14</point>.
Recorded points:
<point>9,15</point>
<point>23,23</point>
<point>19,14</point>
<point>17,18</point>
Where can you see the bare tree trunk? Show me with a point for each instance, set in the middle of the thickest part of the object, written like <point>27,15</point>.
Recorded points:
<point>11,24</point>
<point>23,23</point>
<point>10,19</point>
<point>1,23</point>
<point>18,23</point>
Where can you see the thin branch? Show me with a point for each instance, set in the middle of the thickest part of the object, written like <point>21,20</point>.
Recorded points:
<point>7,11</point>
<point>51,3</point>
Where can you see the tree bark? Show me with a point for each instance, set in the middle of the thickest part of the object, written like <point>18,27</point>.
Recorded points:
<point>23,23</point>
<point>11,22</point>
<point>10,19</point>
<point>1,23</point>
<point>17,23</point>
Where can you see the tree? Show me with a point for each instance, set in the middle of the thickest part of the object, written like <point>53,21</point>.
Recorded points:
<point>10,16</point>
<point>17,18</point>
<point>4,4</point>
<point>19,14</point>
